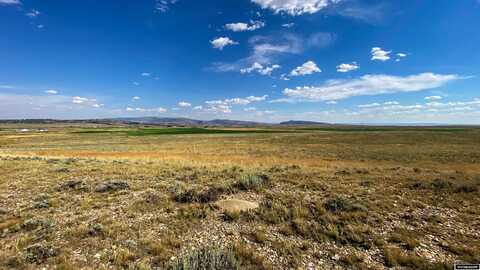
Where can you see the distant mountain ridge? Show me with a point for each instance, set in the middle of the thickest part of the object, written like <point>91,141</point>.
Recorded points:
<point>302,123</point>
<point>186,121</point>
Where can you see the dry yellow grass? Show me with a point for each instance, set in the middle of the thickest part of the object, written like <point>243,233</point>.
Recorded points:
<point>366,200</point>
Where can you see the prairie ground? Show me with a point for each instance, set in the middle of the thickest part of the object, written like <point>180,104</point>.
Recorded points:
<point>126,198</point>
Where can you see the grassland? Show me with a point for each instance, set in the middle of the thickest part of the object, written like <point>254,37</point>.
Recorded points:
<point>124,198</point>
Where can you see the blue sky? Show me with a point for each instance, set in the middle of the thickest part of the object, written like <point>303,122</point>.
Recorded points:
<point>344,61</point>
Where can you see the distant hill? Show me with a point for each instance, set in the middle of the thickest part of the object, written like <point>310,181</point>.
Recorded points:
<point>302,123</point>
<point>185,122</point>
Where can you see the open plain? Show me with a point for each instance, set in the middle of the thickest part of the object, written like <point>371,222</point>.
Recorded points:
<point>103,197</point>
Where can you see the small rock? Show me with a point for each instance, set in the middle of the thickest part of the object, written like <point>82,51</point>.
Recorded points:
<point>72,185</point>
<point>336,257</point>
<point>235,206</point>
<point>38,253</point>
<point>41,204</point>
<point>95,229</point>
<point>3,211</point>
<point>112,186</point>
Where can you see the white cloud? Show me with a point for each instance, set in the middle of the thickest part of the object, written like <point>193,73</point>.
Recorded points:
<point>250,109</point>
<point>265,49</point>
<point>146,110</point>
<point>136,98</point>
<point>237,101</point>
<point>433,98</point>
<point>40,26</point>
<point>369,85</point>
<point>32,13</point>
<point>332,102</point>
<point>184,104</point>
<point>79,100</point>
<point>401,54</point>
<point>347,67</point>
<point>218,108</point>
<point>10,2</point>
<point>391,103</point>
<point>267,70</point>
<point>295,7</point>
<point>306,69</point>
<point>51,92</point>
<point>163,6</point>
<point>241,27</point>
<point>371,105</point>
<point>380,54</point>
<point>146,74</point>
<point>136,83</point>
<point>288,25</point>
<point>222,42</point>
<point>96,105</point>
<point>198,108</point>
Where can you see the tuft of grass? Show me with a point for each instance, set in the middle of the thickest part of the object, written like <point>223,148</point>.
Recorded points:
<point>339,204</point>
<point>207,258</point>
<point>252,182</point>
<point>395,257</point>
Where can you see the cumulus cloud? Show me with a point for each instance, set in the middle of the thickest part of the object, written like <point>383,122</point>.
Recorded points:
<point>241,27</point>
<point>307,68</point>
<point>10,2</point>
<point>263,70</point>
<point>146,74</point>
<point>380,55</point>
<point>136,98</point>
<point>51,92</point>
<point>184,104</point>
<point>369,85</point>
<point>295,7</point>
<point>288,25</point>
<point>433,98</point>
<point>266,49</point>
<point>222,42</point>
<point>347,67</point>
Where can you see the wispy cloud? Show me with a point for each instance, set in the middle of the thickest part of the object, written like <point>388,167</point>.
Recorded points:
<point>369,85</point>
<point>51,92</point>
<point>32,13</point>
<point>295,7</point>
<point>266,49</point>
<point>10,2</point>
<point>163,6</point>
<point>184,104</point>
<point>242,27</point>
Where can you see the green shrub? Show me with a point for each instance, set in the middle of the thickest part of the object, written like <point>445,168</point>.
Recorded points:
<point>252,182</point>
